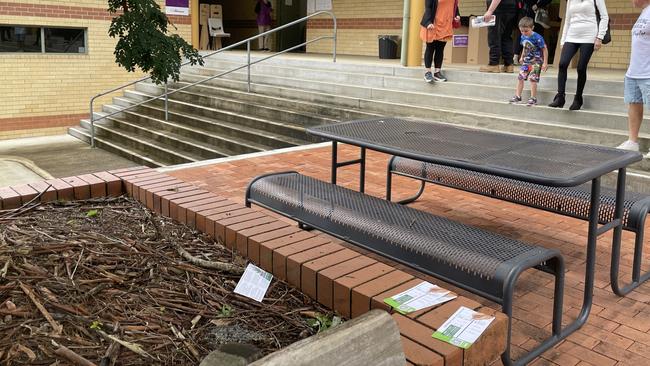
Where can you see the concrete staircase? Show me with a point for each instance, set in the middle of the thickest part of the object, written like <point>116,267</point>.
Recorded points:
<point>219,118</point>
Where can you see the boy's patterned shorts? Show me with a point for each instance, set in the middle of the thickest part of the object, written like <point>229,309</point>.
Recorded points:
<point>530,71</point>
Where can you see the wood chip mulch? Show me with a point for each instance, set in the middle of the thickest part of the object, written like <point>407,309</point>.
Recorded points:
<point>102,282</point>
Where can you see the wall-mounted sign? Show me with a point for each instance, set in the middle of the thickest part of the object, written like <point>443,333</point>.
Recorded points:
<point>177,7</point>
<point>318,5</point>
<point>460,40</point>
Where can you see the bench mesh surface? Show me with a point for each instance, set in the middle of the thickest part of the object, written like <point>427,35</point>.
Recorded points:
<point>571,201</point>
<point>414,236</point>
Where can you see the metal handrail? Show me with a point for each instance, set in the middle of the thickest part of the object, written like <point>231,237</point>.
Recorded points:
<point>247,65</point>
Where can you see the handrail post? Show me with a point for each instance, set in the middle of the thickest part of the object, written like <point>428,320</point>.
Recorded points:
<point>92,125</point>
<point>335,37</point>
<point>166,103</point>
<point>248,52</point>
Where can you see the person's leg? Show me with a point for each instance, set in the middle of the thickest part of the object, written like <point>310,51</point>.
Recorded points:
<point>439,54</point>
<point>437,60</point>
<point>533,89</point>
<point>568,51</point>
<point>494,40</point>
<point>510,23</point>
<point>520,87</point>
<point>634,98</point>
<point>267,38</point>
<point>260,29</point>
<point>634,119</point>
<point>586,50</point>
<point>428,60</point>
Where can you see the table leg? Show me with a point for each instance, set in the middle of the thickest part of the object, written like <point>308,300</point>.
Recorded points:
<point>335,164</point>
<point>557,334</point>
<point>362,171</point>
<point>616,243</point>
<point>361,161</point>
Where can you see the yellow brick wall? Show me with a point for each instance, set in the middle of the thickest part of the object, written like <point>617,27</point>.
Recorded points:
<point>357,41</point>
<point>38,84</point>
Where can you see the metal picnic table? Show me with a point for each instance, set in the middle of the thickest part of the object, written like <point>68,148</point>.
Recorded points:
<point>548,162</point>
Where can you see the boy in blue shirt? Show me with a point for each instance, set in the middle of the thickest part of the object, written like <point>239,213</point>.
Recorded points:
<point>533,59</point>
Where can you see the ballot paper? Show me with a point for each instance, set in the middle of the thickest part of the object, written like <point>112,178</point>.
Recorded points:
<point>463,328</point>
<point>254,283</point>
<point>419,297</point>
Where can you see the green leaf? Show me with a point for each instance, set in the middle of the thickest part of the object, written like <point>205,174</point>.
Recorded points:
<point>226,311</point>
<point>92,213</point>
<point>96,324</point>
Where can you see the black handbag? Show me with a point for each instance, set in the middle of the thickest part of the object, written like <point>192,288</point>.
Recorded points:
<point>608,36</point>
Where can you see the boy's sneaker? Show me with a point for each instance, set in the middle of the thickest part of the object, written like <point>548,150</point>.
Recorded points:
<point>439,76</point>
<point>515,99</point>
<point>428,77</point>
<point>531,101</point>
<point>629,145</point>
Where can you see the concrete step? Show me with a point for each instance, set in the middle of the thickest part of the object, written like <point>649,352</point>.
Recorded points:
<point>147,147</point>
<point>255,139</point>
<point>293,135</point>
<point>172,137</point>
<point>570,131</point>
<point>83,134</point>
<point>151,117</point>
<point>548,81</point>
<point>331,111</point>
<point>500,107</point>
<point>471,88</point>
<point>267,111</point>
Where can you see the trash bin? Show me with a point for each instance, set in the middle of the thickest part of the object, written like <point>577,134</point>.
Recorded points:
<point>388,46</point>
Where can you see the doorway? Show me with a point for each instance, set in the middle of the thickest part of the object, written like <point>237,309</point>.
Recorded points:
<point>286,12</point>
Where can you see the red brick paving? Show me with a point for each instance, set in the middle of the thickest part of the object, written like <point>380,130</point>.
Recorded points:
<point>352,281</point>
<point>618,329</point>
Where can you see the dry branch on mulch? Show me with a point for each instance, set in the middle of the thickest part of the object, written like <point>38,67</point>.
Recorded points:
<point>106,282</point>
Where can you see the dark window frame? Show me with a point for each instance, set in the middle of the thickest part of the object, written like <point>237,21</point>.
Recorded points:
<point>42,39</point>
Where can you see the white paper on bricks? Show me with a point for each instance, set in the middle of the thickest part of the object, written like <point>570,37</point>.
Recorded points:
<point>254,283</point>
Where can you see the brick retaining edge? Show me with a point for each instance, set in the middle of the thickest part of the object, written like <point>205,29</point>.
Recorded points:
<point>322,267</point>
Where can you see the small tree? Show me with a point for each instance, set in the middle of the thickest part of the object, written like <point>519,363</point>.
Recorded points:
<point>144,42</point>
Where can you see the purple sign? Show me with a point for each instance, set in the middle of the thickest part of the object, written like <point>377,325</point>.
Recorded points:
<point>178,3</point>
<point>177,7</point>
<point>460,40</point>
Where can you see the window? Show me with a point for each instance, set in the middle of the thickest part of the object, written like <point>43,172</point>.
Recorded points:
<point>65,40</point>
<point>20,38</point>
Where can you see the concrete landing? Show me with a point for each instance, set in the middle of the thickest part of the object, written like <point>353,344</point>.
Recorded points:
<point>36,158</point>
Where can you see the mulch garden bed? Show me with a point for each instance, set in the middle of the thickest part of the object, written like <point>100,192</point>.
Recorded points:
<point>110,282</point>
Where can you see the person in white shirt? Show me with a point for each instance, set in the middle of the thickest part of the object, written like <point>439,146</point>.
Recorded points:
<point>582,32</point>
<point>637,78</point>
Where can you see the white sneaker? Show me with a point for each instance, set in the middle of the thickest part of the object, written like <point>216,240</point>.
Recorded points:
<point>647,156</point>
<point>629,145</point>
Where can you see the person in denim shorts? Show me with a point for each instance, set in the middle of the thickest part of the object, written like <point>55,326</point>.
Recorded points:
<point>533,59</point>
<point>637,78</point>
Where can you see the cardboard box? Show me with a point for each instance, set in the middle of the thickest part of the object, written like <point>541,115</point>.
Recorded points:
<point>456,50</point>
<point>478,52</point>
<point>215,11</point>
<point>204,14</point>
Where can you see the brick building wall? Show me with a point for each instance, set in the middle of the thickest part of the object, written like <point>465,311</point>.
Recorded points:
<point>43,93</point>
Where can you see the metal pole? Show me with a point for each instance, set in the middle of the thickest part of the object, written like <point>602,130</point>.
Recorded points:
<point>92,125</point>
<point>166,104</point>
<point>248,69</point>
<point>334,162</point>
<point>335,33</point>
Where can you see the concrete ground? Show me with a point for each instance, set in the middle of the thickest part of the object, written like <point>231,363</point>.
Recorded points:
<point>37,158</point>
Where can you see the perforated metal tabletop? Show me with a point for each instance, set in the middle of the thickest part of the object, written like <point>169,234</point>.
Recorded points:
<point>536,160</point>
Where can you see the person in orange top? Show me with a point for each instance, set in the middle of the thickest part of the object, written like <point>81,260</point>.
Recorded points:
<point>438,19</point>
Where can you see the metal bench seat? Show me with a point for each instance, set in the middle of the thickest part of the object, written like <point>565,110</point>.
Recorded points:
<point>568,201</point>
<point>476,260</point>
